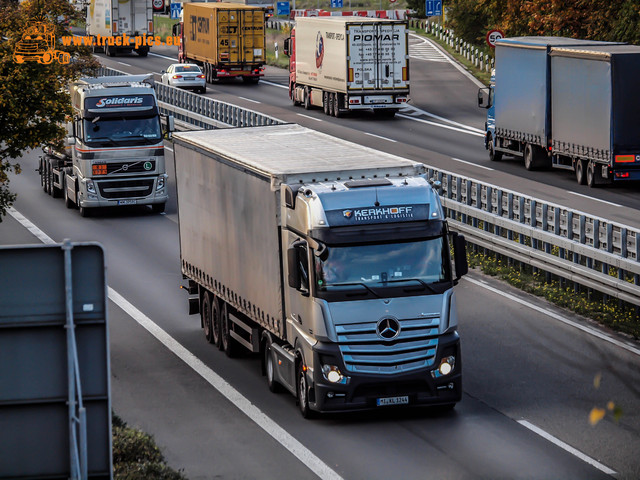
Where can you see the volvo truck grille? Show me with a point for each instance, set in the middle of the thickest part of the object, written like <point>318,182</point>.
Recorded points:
<point>365,350</point>
<point>126,188</point>
<point>141,166</point>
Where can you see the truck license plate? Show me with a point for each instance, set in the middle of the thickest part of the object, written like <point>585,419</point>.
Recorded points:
<point>126,202</point>
<point>393,401</point>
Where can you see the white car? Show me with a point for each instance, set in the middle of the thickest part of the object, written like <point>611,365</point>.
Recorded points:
<point>185,75</point>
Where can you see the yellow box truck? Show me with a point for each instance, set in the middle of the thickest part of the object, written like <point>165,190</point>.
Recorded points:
<point>226,39</point>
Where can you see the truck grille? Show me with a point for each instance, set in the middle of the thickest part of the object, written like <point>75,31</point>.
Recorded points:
<point>363,351</point>
<point>131,167</point>
<point>126,188</point>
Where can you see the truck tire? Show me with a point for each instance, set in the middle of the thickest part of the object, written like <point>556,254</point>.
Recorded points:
<point>215,323</point>
<point>85,212</point>
<point>109,50</point>
<point>493,155</point>
<point>331,97</point>
<point>581,171</point>
<point>592,175</point>
<point>49,176</point>
<point>206,313</point>
<point>307,98</point>
<point>67,200</point>
<point>270,369</point>
<point>228,344</point>
<point>292,90</point>
<point>325,102</point>
<point>158,207</point>
<point>339,100</point>
<point>302,391</point>
<point>529,160</point>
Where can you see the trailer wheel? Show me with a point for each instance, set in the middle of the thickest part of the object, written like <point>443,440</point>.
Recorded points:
<point>325,102</point>
<point>49,176</point>
<point>581,167</point>
<point>331,98</point>
<point>206,315</point>
<point>339,100</point>
<point>215,323</point>
<point>592,175</point>
<point>228,343</point>
<point>303,392</point>
<point>529,161</point>
<point>270,369</point>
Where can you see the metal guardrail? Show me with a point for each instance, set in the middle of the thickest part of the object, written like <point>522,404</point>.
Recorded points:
<point>201,112</point>
<point>590,251</point>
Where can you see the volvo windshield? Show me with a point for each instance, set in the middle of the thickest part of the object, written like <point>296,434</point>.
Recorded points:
<point>119,130</point>
<point>415,267</point>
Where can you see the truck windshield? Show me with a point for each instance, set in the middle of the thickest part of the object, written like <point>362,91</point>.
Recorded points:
<point>415,264</point>
<point>121,130</point>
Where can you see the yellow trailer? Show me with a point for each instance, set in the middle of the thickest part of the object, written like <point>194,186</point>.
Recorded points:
<point>226,39</point>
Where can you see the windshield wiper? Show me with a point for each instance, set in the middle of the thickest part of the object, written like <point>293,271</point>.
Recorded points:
<point>348,284</point>
<point>422,282</point>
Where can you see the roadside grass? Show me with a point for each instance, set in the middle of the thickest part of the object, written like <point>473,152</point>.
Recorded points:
<point>162,26</point>
<point>137,457</point>
<point>616,315</point>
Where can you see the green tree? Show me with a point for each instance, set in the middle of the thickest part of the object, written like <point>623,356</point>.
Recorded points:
<point>34,101</point>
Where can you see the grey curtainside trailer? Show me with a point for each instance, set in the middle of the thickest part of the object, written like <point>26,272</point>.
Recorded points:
<point>329,259</point>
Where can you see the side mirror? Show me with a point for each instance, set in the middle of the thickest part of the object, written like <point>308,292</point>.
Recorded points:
<point>163,71</point>
<point>171,123</point>
<point>287,46</point>
<point>483,98</point>
<point>292,268</point>
<point>460,255</point>
<point>71,141</point>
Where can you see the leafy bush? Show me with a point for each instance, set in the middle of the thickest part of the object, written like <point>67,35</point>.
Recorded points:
<point>137,457</point>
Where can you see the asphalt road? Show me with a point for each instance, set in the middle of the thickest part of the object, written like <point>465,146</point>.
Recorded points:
<point>529,368</point>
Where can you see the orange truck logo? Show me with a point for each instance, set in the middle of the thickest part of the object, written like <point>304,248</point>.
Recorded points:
<point>38,44</point>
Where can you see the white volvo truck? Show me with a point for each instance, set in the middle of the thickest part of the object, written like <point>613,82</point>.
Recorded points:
<point>329,259</point>
<point>115,149</point>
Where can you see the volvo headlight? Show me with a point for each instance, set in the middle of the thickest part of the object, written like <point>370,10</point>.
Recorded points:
<point>161,181</point>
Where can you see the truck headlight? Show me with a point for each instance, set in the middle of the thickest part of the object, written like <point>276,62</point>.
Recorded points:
<point>447,364</point>
<point>161,181</point>
<point>91,188</point>
<point>332,374</point>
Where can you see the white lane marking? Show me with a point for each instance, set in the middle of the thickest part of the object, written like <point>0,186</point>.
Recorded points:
<point>267,82</point>
<point>174,60</point>
<point>462,130</point>
<point>593,198</point>
<point>26,223</point>
<point>168,148</point>
<point>378,136</point>
<point>256,415</point>
<point>555,316</point>
<point>249,100</point>
<point>125,64</point>
<point>410,109</point>
<point>307,457</point>
<point>472,164</point>
<point>567,447</point>
<point>307,116</point>
<point>459,67</point>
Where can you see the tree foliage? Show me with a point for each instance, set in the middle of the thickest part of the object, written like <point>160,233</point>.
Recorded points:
<point>610,20</point>
<point>34,100</point>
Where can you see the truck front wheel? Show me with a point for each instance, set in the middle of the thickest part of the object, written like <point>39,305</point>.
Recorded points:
<point>270,369</point>
<point>493,155</point>
<point>303,392</point>
<point>67,200</point>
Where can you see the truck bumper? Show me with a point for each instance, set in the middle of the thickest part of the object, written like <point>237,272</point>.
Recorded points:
<point>362,392</point>
<point>123,191</point>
